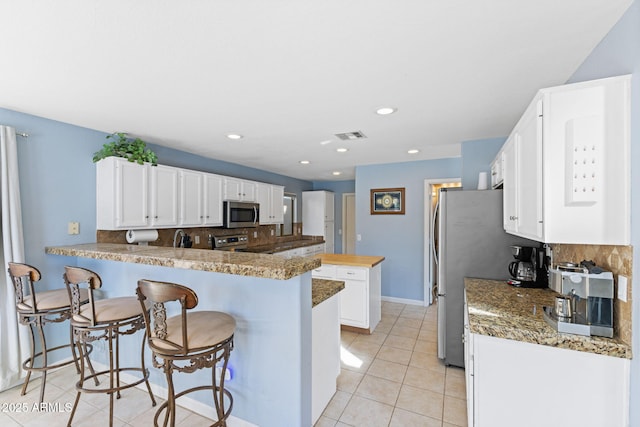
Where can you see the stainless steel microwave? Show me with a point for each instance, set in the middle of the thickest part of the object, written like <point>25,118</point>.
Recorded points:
<point>241,214</point>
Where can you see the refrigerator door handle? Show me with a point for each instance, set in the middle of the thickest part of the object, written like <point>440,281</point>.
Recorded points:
<point>433,232</point>
<point>441,326</point>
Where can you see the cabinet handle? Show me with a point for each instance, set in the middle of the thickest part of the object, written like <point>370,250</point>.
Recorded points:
<point>513,218</point>
<point>155,217</point>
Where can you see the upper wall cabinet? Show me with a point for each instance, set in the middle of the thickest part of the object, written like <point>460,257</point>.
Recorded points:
<point>566,165</point>
<point>239,190</point>
<point>130,195</point>
<point>270,197</point>
<point>200,199</point>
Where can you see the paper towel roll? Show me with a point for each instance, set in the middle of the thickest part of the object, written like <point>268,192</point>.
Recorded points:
<point>482,181</point>
<point>142,236</point>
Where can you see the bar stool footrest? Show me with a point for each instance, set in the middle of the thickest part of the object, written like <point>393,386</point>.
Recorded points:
<point>220,422</point>
<point>116,388</point>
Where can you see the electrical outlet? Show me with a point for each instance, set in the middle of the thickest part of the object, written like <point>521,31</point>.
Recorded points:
<point>73,228</point>
<point>197,239</point>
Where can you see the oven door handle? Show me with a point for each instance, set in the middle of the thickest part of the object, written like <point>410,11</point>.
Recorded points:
<point>255,215</point>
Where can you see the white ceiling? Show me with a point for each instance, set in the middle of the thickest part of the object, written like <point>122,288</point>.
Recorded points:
<point>288,74</point>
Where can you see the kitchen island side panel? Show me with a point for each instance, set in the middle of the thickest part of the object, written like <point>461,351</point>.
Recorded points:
<point>271,359</point>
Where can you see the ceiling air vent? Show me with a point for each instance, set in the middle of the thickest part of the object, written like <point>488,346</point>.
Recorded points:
<point>351,136</point>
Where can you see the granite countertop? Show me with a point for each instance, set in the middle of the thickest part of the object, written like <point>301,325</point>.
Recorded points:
<point>238,263</point>
<point>353,260</point>
<point>500,310</point>
<point>322,289</point>
<point>283,246</point>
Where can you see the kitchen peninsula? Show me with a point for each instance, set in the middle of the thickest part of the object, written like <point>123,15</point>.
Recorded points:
<point>270,297</point>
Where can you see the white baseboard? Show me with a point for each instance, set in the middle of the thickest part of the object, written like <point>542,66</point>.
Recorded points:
<point>404,301</point>
<point>185,401</point>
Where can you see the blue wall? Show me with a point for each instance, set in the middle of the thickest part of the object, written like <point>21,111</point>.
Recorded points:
<point>617,54</point>
<point>477,157</point>
<point>339,188</point>
<point>399,238</point>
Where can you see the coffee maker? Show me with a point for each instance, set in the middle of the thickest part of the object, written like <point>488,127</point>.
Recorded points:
<point>530,269</point>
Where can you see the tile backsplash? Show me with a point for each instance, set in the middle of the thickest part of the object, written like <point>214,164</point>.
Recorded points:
<point>618,260</point>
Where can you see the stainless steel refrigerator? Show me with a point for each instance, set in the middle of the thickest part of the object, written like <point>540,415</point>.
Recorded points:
<point>471,242</point>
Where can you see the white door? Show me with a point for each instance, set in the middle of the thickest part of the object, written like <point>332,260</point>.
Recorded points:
<point>349,223</point>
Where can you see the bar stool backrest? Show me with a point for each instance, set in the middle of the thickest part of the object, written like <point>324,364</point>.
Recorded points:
<point>74,277</point>
<point>156,294</point>
<point>23,277</point>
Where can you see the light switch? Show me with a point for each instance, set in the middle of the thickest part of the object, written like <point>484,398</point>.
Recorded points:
<point>622,288</point>
<point>73,228</point>
<point>359,237</point>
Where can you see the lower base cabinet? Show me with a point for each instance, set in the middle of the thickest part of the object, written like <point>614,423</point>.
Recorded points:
<point>360,300</point>
<point>325,353</point>
<point>513,383</point>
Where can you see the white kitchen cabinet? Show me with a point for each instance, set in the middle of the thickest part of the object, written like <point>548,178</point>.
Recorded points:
<point>570,165</point>
<point>524,384</point>
<point>271,200</point>
<point>360,301</point>
<point>497,170</point>
<point>122,194</point>
<point>239,190</point>
<point>200,199</point>
<point>318,216</point>
<point>163,195</point>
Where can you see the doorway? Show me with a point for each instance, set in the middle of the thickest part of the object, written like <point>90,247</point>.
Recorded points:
<point>349,223</point>
<point>431,192</point>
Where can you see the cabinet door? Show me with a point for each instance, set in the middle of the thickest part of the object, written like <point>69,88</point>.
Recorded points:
<point>191,190</point>
<point>212,200</point>
<point>509,194</point>
<point>131,198</point>
<point>277,204</point>
<point>263,197</point>
<point>248,191</point>
<point>529,173</point>
<point>329,207</point>
<point>163,196</point>
<point>354,310</point>
<point>232,189</point>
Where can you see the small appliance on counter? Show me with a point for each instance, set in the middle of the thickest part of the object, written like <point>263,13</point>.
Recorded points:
<point>530,268</point>
<point>585,303</point>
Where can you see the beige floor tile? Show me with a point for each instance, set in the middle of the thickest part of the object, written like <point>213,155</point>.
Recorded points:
<point>347,337</point>
<point>455,385</point>
<point>427,361</point>
<point>196,420</point>
<point>425,379</point>
<point>455,411</point>
<point>388,370</point>
<point>427,335</point>
<point>403,331</point>
<point>393,354</point>
<point>402,418</point>
<point>336,405</point>
<point>413,315</point>
<point>325,422</point>
<point>348,380</point>
<point>378,389</point>
<point>375,337</point>
<point>423,402</point>
<point>408,322</point>
<point>7,421</point>
<point>362,412</point>
<point>403,343</point>
<point>430,347</point>
<point>354,362</point>
<point>364,348</point>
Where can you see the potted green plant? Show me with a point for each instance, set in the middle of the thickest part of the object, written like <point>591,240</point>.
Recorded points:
<point>134,150</point>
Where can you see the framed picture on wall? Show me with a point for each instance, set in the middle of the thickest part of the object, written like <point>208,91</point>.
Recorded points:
<point>385,201</point>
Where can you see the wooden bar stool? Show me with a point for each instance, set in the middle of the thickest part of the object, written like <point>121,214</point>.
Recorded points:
<point>35,309</point>
<point>187,342</point>
<point>104,319</point>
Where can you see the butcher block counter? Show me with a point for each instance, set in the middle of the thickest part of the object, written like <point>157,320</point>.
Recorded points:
<point>353,260</point>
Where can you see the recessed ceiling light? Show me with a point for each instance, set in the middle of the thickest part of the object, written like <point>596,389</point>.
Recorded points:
<point>305,162</point>
<point>325,142</point>
<point>414,151</point>
<point>234,136</point>
<point>336,173</point>
<point>342,150</point>
<point>384,111</point>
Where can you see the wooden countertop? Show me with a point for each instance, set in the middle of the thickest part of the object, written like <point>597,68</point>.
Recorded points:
<point>238,263</point>
<point>353,260</point>
<point>323,289</point>
<point>500,310</point>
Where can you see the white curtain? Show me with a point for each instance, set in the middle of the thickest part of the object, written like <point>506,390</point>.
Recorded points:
<point>11,333</point>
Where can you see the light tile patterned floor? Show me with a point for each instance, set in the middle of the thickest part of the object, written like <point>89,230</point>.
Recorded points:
<point>393,377</point>
<point>390,378</point>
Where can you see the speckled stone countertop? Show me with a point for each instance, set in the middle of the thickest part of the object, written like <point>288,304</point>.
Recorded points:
<point>238,263</point>
<point>500,310</point>
<point>322,289</point>
<point>283,246</point>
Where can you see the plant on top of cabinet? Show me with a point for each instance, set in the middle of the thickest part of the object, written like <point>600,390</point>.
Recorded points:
<point>134,150</point>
